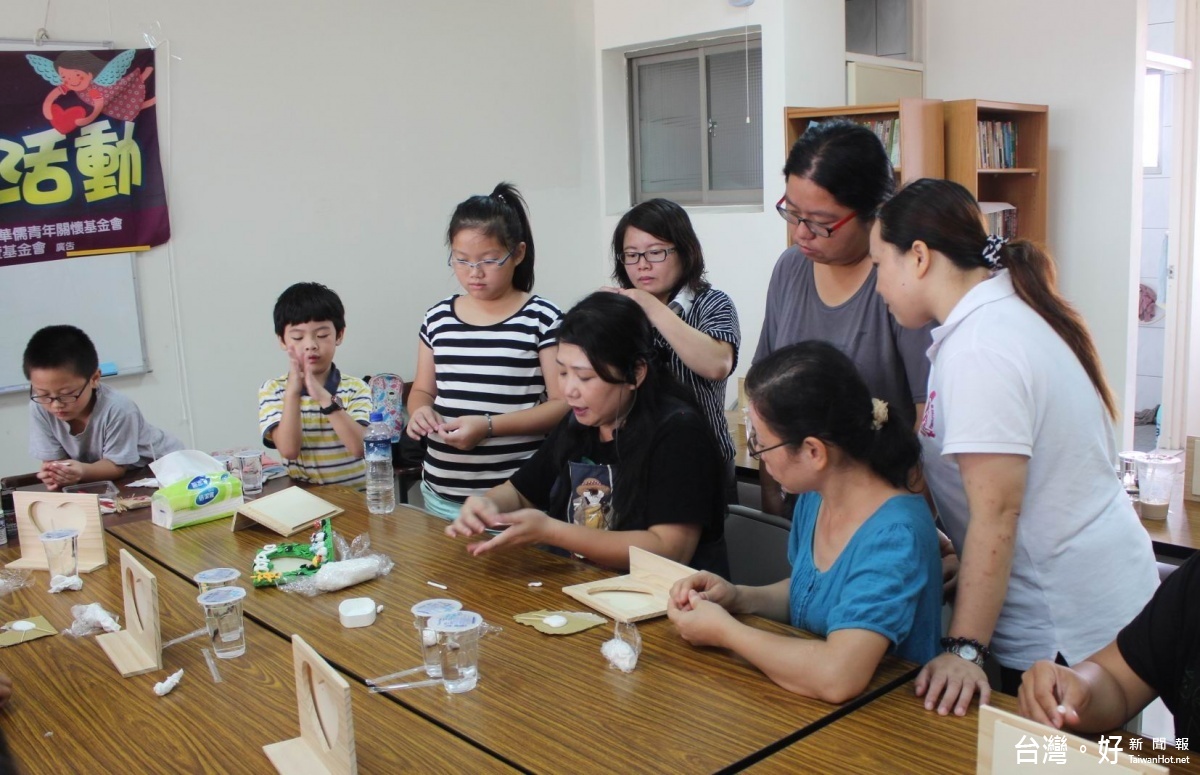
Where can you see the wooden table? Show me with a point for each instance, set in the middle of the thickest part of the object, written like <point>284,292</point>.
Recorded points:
<point>896,734</point>
<point>72,712</point>
<point>544,703</point>
<point>1178,535</point>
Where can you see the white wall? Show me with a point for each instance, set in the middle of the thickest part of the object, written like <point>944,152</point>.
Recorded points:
<point>330,142</point>
<point>799,68</point>
<point>1083,59</point>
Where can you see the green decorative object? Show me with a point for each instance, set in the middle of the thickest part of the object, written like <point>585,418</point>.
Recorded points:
<point>278,564</point>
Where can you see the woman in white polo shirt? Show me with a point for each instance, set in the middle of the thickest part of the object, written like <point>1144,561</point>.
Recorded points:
<point>1018,447</point>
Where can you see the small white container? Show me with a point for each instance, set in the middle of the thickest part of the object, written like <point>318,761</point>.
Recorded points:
<point>357,612</point>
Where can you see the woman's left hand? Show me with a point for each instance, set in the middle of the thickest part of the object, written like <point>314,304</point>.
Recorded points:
<point>704,623</point>
<point>949,681</point>
<point>521,528</point>
<point>465,433</point>
<point>645,300</point>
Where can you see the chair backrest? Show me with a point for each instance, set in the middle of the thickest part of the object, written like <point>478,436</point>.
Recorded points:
<point>388,394</point>
<point>758,546</point>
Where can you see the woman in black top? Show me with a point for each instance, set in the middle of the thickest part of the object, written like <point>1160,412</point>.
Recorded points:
<point>632,464</point>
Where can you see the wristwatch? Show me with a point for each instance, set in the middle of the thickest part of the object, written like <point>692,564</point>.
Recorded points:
<point>333,407</point>
<point>967,648</point>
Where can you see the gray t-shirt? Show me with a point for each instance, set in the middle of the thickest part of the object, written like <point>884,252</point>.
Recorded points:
<point>890,358</point>
<point>116,432</point>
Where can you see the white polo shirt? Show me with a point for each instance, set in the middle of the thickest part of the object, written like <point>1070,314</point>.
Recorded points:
<point>1002,381</point>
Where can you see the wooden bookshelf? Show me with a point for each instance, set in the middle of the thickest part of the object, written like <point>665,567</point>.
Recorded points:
<point>921,134</point>
<point>1023,186</point>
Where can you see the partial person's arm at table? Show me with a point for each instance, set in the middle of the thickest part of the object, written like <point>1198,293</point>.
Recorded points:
<point>834,670</point>
<point>423,419</point>
<point>56,474</point>
<point>995,487</point>
<point>1096,695</point>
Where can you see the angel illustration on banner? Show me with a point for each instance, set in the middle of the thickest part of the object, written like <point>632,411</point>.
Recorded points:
<point>110,88</point>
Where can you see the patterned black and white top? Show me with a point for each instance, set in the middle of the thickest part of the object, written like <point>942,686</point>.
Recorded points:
<point>493,369</point>
<point>712,312</point>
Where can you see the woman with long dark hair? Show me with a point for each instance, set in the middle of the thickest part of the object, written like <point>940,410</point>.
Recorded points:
<point>1018,447</point>
<point>632,464</point>
<point>866,575</point>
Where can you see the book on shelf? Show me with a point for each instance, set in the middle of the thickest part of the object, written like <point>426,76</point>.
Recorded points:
<point>997,144</point>
<point>886,129</point>
<point>1000,218</point>
<point>287,511</point>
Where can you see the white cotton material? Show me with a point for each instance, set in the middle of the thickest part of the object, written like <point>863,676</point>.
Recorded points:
<point>346,573</point>
<point>65,583</point>
<point>90,619</point>
<point>620,655</point>
<point>164,687</point>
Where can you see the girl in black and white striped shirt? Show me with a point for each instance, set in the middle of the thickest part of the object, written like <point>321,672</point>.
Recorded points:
<point>480,396</point>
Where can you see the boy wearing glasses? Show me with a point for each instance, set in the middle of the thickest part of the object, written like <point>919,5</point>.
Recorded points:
<point>82,430</point>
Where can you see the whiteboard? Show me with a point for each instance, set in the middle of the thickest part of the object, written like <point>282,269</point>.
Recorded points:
<point>96,293</point>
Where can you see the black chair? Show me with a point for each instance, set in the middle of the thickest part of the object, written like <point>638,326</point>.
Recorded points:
<point>757,544</point>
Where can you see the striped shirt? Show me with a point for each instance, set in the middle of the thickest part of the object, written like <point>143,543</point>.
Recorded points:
<point>493,369</point>
<point>323,458</point>
<point>711,313</point>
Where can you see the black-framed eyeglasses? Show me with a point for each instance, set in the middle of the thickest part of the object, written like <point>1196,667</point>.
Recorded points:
<point>654,256</point>
<point>487,263</point>
<point>65,400</point>
<point>756,451</point>
<point>818,229</point>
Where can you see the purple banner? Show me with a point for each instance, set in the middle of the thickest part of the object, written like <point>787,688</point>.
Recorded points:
<point>79,167</point>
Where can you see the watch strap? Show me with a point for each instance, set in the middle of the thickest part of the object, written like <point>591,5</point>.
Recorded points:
<point>955,646</point>
<point>334,406</point>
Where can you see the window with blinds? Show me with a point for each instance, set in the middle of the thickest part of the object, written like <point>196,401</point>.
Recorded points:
<point>697,124</point>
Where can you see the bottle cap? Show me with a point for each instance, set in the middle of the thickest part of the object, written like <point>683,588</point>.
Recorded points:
<point>376,416</point>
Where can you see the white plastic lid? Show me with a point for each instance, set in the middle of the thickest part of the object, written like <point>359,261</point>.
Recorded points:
<point>217,576</point>
<point>58,535</point>
<point>357,612</point>
<point>456,621</point>
<point>221,596</point>
<point>435,606</point>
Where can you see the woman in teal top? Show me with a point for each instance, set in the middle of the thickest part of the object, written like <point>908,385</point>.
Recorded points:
<point>866,570</point>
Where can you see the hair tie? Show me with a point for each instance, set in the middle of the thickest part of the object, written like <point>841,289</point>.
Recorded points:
<point>500,198</point>
<point>991,251</point>
<point>879,413</point>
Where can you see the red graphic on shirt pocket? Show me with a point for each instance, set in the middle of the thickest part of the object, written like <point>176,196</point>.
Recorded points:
<point>927,418</point>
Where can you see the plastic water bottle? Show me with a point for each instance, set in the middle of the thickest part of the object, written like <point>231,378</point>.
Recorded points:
<point>381,477</point>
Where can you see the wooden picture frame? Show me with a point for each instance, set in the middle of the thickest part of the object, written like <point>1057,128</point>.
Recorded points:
<point>287,512</point>
<point>38,512</point>
<point>1004,738</point>
<point>639,595</point>
<point>1191,475</point>
<point>138,648</point>
<point>326,742</point>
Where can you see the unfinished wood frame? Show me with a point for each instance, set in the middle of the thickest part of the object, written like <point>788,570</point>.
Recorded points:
<point>326,742</point>
<point>39,512</point>
<point>138,648</point>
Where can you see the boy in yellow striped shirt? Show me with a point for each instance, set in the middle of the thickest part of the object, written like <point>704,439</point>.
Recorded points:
<point>313,415</point>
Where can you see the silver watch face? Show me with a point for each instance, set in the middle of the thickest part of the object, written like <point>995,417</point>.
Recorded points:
<point>967,651</point>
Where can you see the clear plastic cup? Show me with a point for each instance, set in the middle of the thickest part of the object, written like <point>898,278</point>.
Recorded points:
<point>422,613</point>
<point>250,465</point>
<point>62,551</point>
<point>1128,473</point>
<point>458,646</point>
<point>1156,483</point>
<point>215,578</point>
<point>223,618</point>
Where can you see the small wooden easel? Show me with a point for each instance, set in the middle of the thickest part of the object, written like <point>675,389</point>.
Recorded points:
<point>138,648</point>
<point>326,742</point>
<point>39,512</point>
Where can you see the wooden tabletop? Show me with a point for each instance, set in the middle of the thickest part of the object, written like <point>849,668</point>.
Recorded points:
<point>1178,535</point>
<point>544,703</point>
<point>896,734</point>
<point>72,712</point>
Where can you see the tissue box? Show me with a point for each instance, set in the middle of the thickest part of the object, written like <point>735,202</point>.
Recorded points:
<point>197,499</point>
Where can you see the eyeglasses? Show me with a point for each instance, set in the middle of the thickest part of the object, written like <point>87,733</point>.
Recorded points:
<point>654,256</point>
<point>65,400</point>
<point>819,229</point>
<point>756,451</point>
<point>487,263</point>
